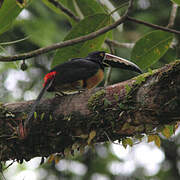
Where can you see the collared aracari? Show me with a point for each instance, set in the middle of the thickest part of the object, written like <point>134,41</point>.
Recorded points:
<point>79,74</point>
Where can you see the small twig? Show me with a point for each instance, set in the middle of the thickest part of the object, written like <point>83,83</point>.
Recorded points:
<point>173,15</point>
<point>9,165</point>
<point>109,70</point>
<point>13,42</point>
<point>153,25</point>
<point>118,44</point>
<point>110,139</point>
<point>67,11</point>
<point>121,6</point>
<point>68,42</point>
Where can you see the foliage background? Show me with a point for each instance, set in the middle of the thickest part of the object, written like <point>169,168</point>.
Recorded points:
<point>41,26</point>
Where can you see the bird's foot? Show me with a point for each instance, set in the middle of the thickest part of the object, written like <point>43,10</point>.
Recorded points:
<point>60,94</point>
<point>81,91</point>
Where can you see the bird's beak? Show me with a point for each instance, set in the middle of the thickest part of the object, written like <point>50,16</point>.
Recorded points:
<point>118,62</point>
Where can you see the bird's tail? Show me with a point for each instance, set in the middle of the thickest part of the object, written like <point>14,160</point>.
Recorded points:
<point>33,109</point>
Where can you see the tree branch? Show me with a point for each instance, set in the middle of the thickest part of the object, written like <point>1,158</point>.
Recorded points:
<point>153,25</point>
<point>62,122</point>
<point>68,42</point>
<point>67,11</point>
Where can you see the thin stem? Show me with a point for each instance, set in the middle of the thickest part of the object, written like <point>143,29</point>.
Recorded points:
<point>109,70</point>
<point>13,42</point>
<point>173,15</point>
<point>67,11</point>
<point>153,25</point>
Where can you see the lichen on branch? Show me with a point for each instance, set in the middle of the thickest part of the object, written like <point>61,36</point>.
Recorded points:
<point>145,105</point>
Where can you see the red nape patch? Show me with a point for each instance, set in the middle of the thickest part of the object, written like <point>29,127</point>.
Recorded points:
<point>48,76</point>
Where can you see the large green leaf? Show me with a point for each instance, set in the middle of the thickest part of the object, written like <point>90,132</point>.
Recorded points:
<point>176,1</point>
<point>8,13</point>
<point>89,7</point>
<point>86,26</point>
<point>150,48</point>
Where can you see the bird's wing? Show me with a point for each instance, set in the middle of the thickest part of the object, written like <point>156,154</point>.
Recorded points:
<point>78,69</point>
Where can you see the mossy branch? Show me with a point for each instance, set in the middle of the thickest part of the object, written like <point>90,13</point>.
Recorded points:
<point>127,109</point>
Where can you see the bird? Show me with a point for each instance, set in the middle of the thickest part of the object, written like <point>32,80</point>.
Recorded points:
<point>79,74</point>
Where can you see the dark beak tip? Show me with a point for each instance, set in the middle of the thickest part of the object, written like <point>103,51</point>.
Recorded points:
<point>140,71</point>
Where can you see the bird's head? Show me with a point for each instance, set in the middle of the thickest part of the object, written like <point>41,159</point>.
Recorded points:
<point>109,60</point>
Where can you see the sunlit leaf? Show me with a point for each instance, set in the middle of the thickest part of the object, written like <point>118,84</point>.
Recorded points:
<point>140,79</point>
<point>150,48</point>
<point>124,143</point>
<point>35,115</point>
<point>176,1</point>
<point>42,116</point>
<point>129,142</point>
<point>86,26</point>
<point>92,134</point>
<point>151,138</point>
<point>155,139</point>
<point>168,131</point>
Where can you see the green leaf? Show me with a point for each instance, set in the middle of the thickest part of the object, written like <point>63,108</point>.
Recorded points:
<point>128,88</point>
<point>89,7</point>
<point>168,131</point>
<point>151,138</point>
<point>86,26</point>
<point>8,13</point>
<point>129,142</point>
<point>150,48</point>
<point>35,115</point>
<point>157,141</point>
<point>43,37</point>
<point>92,134</point>
<point>67,4</point>
<point>176,1</point>
<point>155,138</point>
<point>42,116</point>
<point>124,143</point>
<point>140,79</point>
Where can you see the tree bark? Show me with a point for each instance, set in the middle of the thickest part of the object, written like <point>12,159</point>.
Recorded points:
<point>63,124</point>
